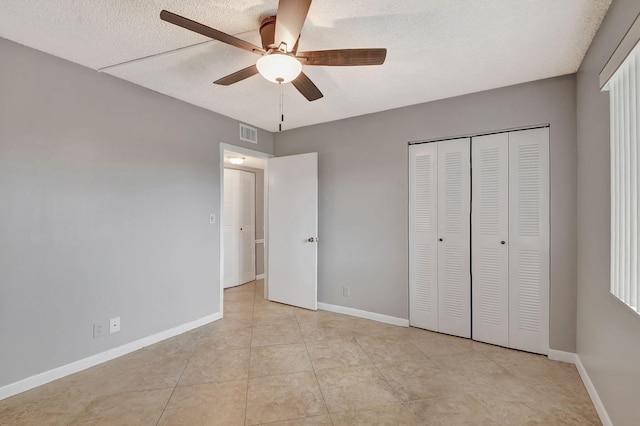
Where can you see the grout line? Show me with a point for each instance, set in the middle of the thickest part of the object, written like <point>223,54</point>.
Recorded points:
<point>324,401</point>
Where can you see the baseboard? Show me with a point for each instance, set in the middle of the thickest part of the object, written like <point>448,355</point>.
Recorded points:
<point>259,276</point>
<point>91,361</point>
<point>563,356</point>
<point>364,314</point>
<point>593,393</point>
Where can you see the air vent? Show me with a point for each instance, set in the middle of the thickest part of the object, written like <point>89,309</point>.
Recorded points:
<point>248,133</point>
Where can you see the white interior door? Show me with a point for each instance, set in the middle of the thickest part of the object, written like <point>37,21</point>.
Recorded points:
<point>423,236</point>
<point>529,240</point>
<point>293,230</point>
<point>454,234</point>
<point>489,238</point>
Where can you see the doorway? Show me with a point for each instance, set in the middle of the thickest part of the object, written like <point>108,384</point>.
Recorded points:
<point>251,165</point>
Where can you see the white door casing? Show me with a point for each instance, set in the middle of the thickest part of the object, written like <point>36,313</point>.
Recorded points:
<point>489,238</point>
<point>293,230</point>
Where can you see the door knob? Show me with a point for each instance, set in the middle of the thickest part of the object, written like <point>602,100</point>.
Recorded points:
<point>502,242</point>
<point>312,239</point>
<point>440,239</point>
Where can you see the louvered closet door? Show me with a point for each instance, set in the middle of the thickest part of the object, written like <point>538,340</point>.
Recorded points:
<point>454,186</point>
<point>529,240</point>
<point>489,238</point>
<point>423,237</point>
<point>247,219</point>
<point>231,240</point>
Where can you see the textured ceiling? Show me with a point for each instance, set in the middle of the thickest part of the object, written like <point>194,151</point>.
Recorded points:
<point>436,49</point>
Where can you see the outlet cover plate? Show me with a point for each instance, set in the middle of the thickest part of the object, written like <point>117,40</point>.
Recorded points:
<point>114,325</point>
<point>98,330</point>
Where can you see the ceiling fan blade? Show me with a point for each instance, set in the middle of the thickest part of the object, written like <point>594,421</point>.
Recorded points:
<point>343,57</point>
<point>289,21</point>
<point>194,26</point>
<point>237,76</point>
<point>307,88</point>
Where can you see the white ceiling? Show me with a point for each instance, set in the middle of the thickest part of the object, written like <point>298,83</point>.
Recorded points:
<point>436,49</point>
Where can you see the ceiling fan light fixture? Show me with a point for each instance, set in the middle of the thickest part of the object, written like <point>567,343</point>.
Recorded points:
<point>236,160</point>
<point>279,67</point>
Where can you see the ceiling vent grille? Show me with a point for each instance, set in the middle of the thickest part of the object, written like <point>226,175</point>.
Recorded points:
<point>248,133</point>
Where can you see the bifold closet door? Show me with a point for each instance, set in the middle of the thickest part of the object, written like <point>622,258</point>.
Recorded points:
<point>423,236</point>
<point>439,233</point>
<point>247,221</point>
<point>454,234</point>
<point>489,238</point>
<point>239,227</point>
<point>529,240</point>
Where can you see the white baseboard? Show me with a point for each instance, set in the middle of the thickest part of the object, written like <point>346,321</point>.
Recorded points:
<point>364,314</point>
<point>593,393</point>
<point>563,356</point>
<point>93,360</point>
<point>259,276</point>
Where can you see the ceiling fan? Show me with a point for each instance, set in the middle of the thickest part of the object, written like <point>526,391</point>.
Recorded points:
<point>280,61</point>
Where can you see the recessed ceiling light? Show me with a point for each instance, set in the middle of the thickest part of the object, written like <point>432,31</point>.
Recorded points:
<point>236,160</point>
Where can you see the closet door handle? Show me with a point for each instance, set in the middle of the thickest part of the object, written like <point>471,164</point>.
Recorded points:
<point>503,242</point>
<point>440,239</point>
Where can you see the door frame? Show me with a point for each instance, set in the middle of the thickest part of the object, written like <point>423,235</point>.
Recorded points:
<point>249,153</point>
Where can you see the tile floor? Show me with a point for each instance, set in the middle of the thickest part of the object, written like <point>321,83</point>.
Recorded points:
<point>267,363</point>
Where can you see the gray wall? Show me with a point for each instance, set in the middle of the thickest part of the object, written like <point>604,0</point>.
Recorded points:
<point>259,213</point>
<point>105,195</point>
<point>363,192</point>
<point>608,332</point>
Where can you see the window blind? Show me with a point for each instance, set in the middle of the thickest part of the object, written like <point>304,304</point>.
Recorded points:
<point>624,96</point>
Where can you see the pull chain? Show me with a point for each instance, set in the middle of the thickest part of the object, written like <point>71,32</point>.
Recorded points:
<point>281,108</point>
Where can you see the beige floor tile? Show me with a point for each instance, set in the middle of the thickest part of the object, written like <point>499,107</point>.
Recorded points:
<point>388,349</point>
<point>209,404</point>
<point>41,407</point>
<point>134,408</point>
<point>353,388</point>
<point>331,353</point>
<point>218,366</point>
<point>284,397</point>
<point>434,344</point>
<point>323,420</point>
<point>468,363</point>
<point>390,415</point>
<point>421,380</point>
<point>313,331</point>
<point>307,315</point>
<point>279,359</point>
<point>454,410</point>
<point>261,317</point>
<point>276,335</point>
<point>225,340</point>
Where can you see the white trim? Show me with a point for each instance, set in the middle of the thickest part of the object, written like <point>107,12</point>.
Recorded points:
<point>93,360</point>
<point>593,393</point>
<point>259,276</point>
<point>364,314</point>
<point>563,356</point>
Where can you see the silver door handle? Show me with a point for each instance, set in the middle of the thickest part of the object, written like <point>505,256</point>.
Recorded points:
<point>312,239</point>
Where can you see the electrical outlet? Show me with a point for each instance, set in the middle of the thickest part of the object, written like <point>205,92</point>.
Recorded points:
<point>212,218</point>
<point>98,330</point>
<point>346,291</point>
<point>114,325</point>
